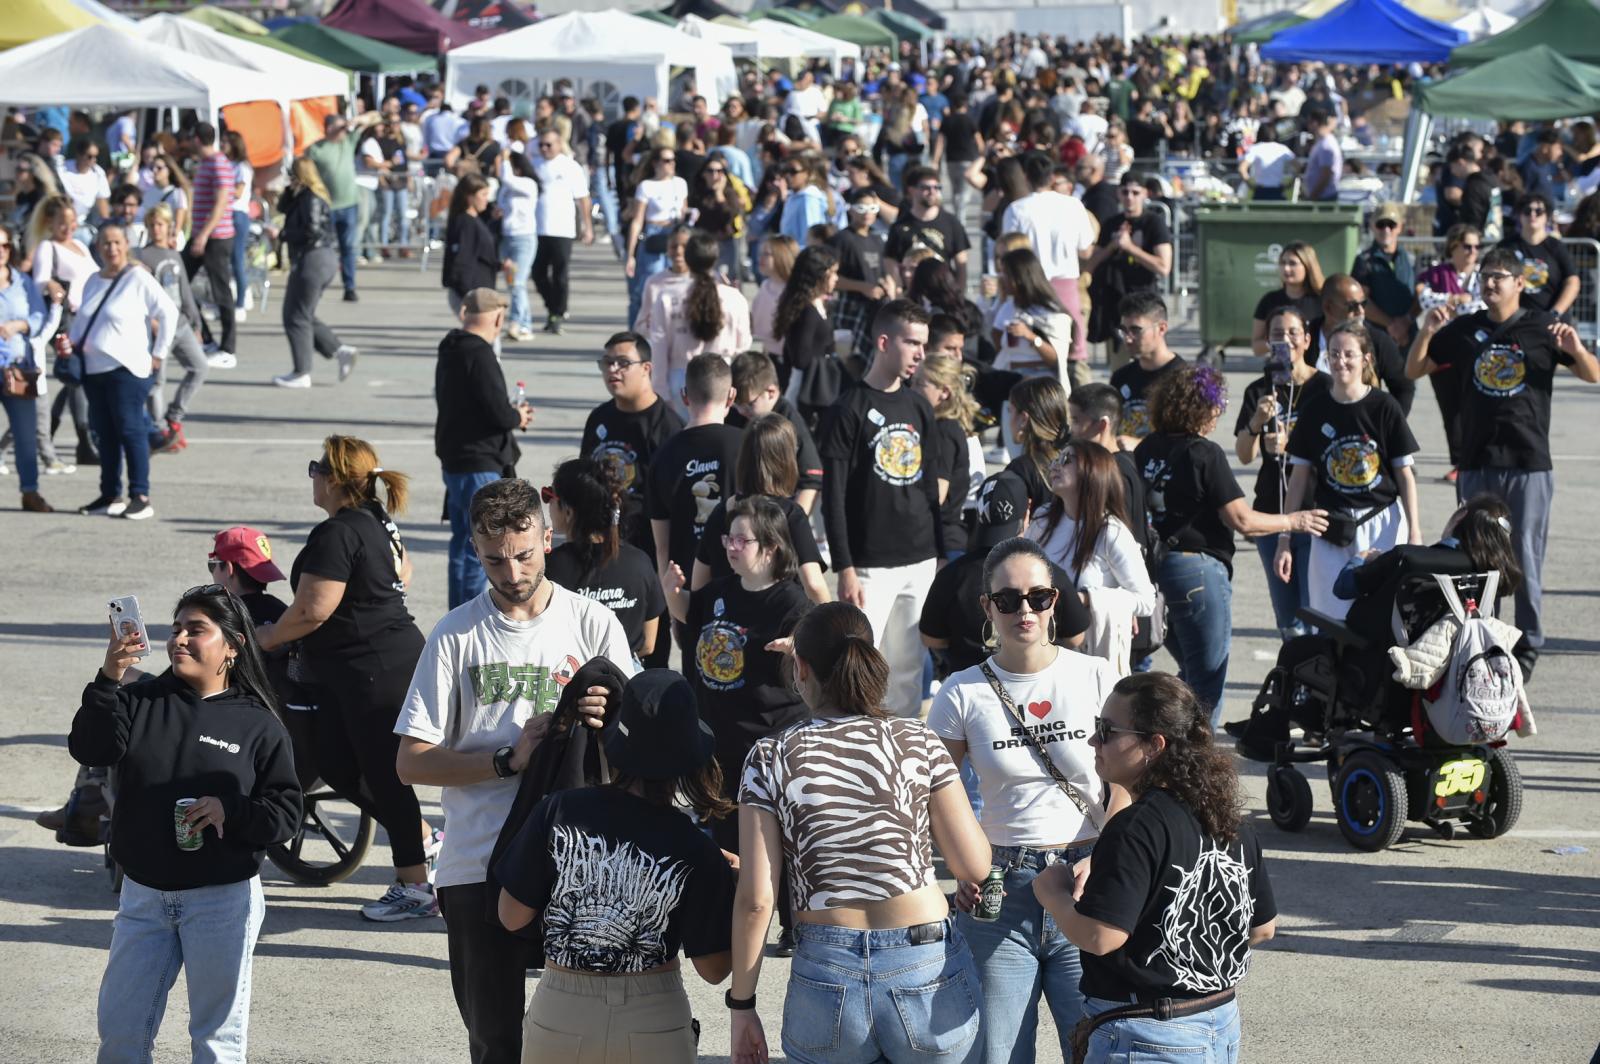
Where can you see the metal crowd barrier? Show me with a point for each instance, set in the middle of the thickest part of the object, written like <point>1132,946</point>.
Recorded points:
<point>1585,311</point>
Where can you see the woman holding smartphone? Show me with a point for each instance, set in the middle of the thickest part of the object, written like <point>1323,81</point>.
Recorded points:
<point>205,783</point>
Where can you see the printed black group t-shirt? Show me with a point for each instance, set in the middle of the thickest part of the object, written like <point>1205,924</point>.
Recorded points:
<point>1507,376</point>
<point>740,684</point>
<point>942,234</point>
<point>880,507</point>
<point>948,462</point>
<point>1187,480</point>
<point>621,882</point>
<point>1134,383</point>
<point>713,554</point>
<point>626,441</point>
<point>1149,232</point>
<point>810,463</point>
<point>359,548</point>
<point>1545,268</point>
<point>1272,480</point>
<point>1351,448</point>
<point>691,474</point>
<point>951,611</point>
<point>1187,902</point>
<point>627,584</point>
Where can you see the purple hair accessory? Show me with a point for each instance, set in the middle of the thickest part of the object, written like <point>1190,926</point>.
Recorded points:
<point>1212,386</point>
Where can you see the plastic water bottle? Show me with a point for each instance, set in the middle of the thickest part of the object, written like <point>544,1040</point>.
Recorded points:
<point>522,395</point>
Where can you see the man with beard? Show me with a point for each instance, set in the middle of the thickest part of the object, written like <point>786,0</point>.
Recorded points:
<point>479,704</point>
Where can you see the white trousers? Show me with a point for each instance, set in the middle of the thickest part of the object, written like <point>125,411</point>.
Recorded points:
<point>1384,531</point>
<point>894,608</point>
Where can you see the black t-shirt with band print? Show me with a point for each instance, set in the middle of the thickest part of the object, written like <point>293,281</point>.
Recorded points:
<point>1352,448</point>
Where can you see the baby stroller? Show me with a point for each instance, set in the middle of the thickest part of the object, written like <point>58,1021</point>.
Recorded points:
<point>1388,762</point>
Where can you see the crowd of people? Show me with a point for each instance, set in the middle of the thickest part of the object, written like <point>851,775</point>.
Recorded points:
<point>666,727</point>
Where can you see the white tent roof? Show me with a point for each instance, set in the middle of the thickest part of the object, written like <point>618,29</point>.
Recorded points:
<point>632,55</point>
<point>781,39</point>
<point>104,13</point>
<point>1484,22</point>
<point>100,66</point>
<point>741,42</point>
<point>300,78</point>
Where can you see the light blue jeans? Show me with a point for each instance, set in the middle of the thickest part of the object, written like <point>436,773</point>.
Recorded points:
<point>1022,956</point>
<point>646,264</point>
<point>465,578</point>
<point>1207,1038</point>
<point>1199,623</point>
<point>859,997</point>
<point>520,250</point>
<point>1287,598</point>
<point>208,931</point>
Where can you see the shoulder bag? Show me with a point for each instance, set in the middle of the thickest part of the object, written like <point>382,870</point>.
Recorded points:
<point>1092,809</point>
<point>69,367</point>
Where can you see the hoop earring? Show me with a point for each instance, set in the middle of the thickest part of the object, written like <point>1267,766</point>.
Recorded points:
<point>991,642</point>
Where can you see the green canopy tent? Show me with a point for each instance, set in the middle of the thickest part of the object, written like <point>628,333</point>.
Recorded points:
<point>1570,27</point>
<point>903,26</point>
<point>220,18</point>
<point>658,17</point>
<point>790,15</point>
<point>353,51</point>
<point>269,41</point>
<point>856,29</point>
<point>1538,84</point>
<point>1263,29</point>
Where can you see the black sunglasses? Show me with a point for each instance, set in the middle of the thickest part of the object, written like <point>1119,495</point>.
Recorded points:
<point>1104,730</point>
<point>1353,305</point>
<point>318,468</point>
<point>1010,600</point>
<point>1386,223</point>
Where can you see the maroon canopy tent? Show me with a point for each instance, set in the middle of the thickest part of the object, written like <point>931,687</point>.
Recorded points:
<point>409,24</point>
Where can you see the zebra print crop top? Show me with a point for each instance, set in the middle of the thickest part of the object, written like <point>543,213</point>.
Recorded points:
<point>851,797</point>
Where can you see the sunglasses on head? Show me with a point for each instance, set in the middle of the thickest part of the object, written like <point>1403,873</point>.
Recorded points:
<point>1010,600</point>
<point>204,589</point>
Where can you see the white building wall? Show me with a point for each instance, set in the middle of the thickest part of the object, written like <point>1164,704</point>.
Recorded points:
<point>1080,20</point>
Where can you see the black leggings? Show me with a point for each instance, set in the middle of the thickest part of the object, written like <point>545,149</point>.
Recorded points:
<point>550,272</point>
<point>354,747</point>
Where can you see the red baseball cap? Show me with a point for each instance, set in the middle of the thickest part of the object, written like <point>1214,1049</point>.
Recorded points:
<point>249,549</point>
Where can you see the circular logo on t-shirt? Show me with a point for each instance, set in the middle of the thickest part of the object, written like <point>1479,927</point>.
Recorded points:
<point>719,655</point>
<point>1135,419</point>
<point>1352,463</point>
<point>897,454</point>
<point>619,458</point>
<point>1500,370</point>
<point>1535,273</point>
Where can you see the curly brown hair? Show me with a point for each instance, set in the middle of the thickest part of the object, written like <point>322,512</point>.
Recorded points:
<point>1191,768</point>
<point>1188,399</point>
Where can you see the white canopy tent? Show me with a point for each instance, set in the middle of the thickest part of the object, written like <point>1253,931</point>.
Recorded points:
<point>1484,21</point>
<point>606,54</point>
<point>300,79</point>
<point>104,13</point>
<point>779,39</point>
<point>743,43</point>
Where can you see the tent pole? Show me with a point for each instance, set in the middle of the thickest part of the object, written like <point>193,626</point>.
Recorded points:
<point>1419,125</point>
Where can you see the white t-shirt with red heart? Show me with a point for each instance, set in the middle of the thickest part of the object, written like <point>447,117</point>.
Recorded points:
<point>1022,804</point>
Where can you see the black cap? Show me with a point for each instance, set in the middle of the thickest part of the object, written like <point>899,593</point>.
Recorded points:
<point>658,733</point>
<point>1002,504</point>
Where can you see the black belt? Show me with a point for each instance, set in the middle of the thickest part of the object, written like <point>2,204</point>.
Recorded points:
<point>922,934</point>
<point>1158,1008</point>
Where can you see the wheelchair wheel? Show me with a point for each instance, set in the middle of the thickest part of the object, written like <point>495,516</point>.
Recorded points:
<point>332,841</point>
<point>1503,805</point>
<point>1288,797</point>
<point>1369,798</point>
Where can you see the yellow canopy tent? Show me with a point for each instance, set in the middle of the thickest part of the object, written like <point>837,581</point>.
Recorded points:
<point>1438,10</point>
<point>29,20</point>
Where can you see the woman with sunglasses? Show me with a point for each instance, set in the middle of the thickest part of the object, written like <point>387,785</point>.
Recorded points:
<point>660,202</point>
<point>361,645</point>
<point>1022,719</point>
<point>168,187</point>
<point>1178,892</point>
<point>1552,279</point>
<point>808,200</point>
<point>36,182</point>
<point>207,732</point>
<point>718,205</point>
<point>1452,283</point>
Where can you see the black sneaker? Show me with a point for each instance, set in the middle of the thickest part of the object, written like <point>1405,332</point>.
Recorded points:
<point>1236,728</point>
<point>105,504</point>
<point>786,944</point>
<point>138,509</point>
<point>350,296</point>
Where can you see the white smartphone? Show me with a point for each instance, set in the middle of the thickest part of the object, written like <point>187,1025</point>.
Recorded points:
<point>127,620</point>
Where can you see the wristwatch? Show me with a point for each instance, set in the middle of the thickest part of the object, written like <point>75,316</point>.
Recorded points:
<point>1038,342</point>
<point>502,763</point>
<point>738,1004</point>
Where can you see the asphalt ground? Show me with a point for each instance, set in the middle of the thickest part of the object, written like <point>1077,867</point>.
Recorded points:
<point>1432,951</point>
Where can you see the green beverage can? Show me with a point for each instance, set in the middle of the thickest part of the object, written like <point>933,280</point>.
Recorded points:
<point>189,836</point>
<point>991,895</point>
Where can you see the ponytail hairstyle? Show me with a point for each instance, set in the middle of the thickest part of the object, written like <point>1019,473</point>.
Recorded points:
<point>1100,497</point>
<point>1357,330</point>
<point>223,608</point>
<point>354,474</point>
<point>1484,531</point>
<point>770,526</point>
<point>1044,402</point>
<point>952,375</point>
<point>703,309</point>
<point>1192,768</point>
<point>592,495</point>
<point>768,458</point>
<point>835,641</point>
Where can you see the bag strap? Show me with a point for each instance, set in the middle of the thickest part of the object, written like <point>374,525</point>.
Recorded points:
<point>98,307</point>
<point>1452,597</point>
<point>1090,810</point>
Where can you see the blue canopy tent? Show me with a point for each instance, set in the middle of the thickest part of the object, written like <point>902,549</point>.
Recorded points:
<point>1367,31</point>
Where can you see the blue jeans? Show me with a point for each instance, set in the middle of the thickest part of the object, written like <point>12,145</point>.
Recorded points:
<point>520,250</point>
<point>602,192</point>
<point>23,415</point>
<point>391,216</point>
<point>859,997</point>
<point>1199,623</point>
<point>120,423</point>
<point>1021,956</point>
<point>1206,1038</point>
<point>241,269</point>
<point>646,265</point>
<point>209,931</point>
<point>1287,598</point>
<point>466,579</point>
<point>345,220</point>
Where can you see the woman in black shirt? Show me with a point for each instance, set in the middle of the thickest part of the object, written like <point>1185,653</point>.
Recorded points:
<point>1178,891</point>
<point>585,500</point>
<point>809,369</point>
<point>1039,426</point>
<point>470,257</point>
<point>1195,506</point>
<point>1302,289</point>
<point>361,645</point>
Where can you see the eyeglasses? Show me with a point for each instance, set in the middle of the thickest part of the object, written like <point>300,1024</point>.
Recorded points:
<point>1345,356</point>
<point>623,364</point>
<point>738,542</point>
<point>668,159</point>
<point>1104,730</point>
<point>318,468</point>
<point>1010,600</point>
<point>214,564</point>
<point>930,187</point>
<point>1132,332</point>
<point>548,494</point>
<point>1495,277</point>
<point>790,171</point>
<point>552,145</point>
<point>863,208</point>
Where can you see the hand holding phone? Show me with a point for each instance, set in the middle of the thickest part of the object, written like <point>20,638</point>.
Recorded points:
<point>127,628</point>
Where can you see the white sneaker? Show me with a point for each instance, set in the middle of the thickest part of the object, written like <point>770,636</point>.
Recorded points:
<point>293,380</point>
<point>347,361</point>
<point>403,902</point>
<point>222,360</point>
<point>117,508</point>
<point>239,314</point>
<point>5,470</point>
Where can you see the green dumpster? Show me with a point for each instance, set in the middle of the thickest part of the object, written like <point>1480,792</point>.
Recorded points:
<point>1239,249</point>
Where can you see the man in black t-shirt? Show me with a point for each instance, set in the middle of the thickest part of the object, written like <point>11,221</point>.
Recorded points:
<point>1550,279</point>
<point>1506,357</point>
<point>1343,299</point>
<point>1093,413</point>
<point>1143,329</point>
<point>620,136</point>
<point>923,223</point>
<point>1135,246</point>
<point>957,145</point>
<point>1147,129</point>
<point>879,504</point>
<point>1099,196</point>
<point>693,471</point>
<point>1479,202</point>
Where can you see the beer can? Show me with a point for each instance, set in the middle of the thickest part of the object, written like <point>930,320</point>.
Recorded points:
<point>991,896</point>
<point>190,837</point>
